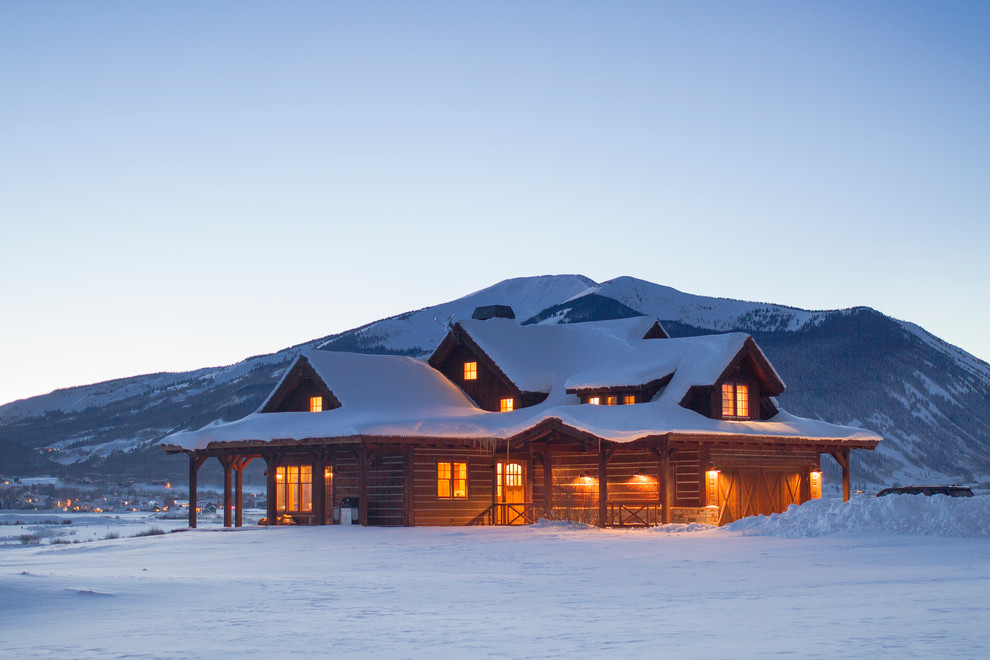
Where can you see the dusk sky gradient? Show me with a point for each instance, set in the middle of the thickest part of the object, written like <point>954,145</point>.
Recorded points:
<point>186,184</point>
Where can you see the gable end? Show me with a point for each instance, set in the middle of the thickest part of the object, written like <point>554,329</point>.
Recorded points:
<point>297,386</point>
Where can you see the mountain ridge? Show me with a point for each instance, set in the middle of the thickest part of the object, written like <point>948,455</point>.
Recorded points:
<point>849,366</point>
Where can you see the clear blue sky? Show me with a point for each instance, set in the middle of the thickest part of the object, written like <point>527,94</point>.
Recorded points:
<point>185,184</point>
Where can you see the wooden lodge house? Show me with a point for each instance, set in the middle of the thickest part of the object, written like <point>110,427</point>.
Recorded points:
<point>610,422</point>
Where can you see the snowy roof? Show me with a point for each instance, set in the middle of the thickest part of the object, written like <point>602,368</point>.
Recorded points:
<point>392,396</point>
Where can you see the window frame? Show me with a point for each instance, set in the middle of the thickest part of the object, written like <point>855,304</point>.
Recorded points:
<point>470,370</point>
<point>316,404</point>
<point>507,404</point>
<point>292,489</point>
<point>447,477</point>
<point>731,408</point>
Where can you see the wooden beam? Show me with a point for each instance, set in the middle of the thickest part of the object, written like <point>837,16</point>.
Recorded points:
<point>547,483</point>
<point>238,492</point>
<point>271,463</point>
<point>603,455</point>
<point>195,460</point>
<point>704,461</point>
<point>666,473</point>
<point>226,462</point>
<point>841,456</point>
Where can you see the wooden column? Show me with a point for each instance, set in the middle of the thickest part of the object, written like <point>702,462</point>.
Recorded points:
<point>846,473</point>
<point>841,456</point>
<point>704,461</point>
<point>603,456</point>
<point>238,492</point>
<point>362,460</point>
<point>548,483</point>
<point>226,462</point>
<point>410,489</point>
<point>195,460</point>
<point>666,474</point>
<point>271,462</point>
<point>320,487</point>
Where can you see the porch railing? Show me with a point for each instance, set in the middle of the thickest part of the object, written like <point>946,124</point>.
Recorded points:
<point>516,513</point>
<point>634,514</point>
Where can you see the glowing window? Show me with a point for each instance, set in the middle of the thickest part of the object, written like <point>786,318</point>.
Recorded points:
<point>452,480</point>
<point>470,371</point>
<point>507,405</point>
<point>594,400</point>
<point>611,400</point>
<point>316,404</point>
<point>628,399</point>
<point>735,400</point>
<point>294,487</point>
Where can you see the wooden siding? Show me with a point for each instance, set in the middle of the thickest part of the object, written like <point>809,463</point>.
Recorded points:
<point>386,489</point>
<point>473,510</point>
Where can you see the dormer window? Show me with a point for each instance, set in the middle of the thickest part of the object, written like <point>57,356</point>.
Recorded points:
<point>735,401</point>
<point>628,399</point>
<point>316,404</point>
<point>470,371</point>
<point>611,400</point>
<point>507,405</point>
<point>595,400</point>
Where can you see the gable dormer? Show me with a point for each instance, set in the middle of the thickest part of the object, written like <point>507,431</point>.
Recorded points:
<point>742,391</point>
<point>301,390</point>
<point>464,363</point>
<point>656,331</point>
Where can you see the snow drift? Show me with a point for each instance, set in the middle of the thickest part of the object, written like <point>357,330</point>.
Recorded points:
<point>938,515</point>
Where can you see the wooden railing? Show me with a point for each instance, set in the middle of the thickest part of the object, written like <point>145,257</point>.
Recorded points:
<point>634,514</point>
<point>517,513</point>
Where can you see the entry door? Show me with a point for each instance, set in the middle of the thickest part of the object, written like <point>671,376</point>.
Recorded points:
<point>510,492</point>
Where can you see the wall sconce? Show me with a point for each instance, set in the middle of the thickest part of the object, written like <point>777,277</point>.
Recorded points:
<point>816,484</point>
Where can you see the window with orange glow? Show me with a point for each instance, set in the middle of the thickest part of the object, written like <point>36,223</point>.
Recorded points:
<point>294,488</point>
<point>611,400</point>
<point>594,400</point>
<point>451,480</point>
<point>316,404</point>
<point>735,400</point>
<point>507,405</point>
<point>628,399</point>
<point>470,371</point>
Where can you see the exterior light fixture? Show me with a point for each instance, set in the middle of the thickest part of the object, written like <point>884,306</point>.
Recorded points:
<point>816,484</point>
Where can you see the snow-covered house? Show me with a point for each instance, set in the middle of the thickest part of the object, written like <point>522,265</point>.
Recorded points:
<point>610,422</point>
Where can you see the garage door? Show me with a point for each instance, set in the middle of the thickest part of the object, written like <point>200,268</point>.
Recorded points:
<point>750,492</point>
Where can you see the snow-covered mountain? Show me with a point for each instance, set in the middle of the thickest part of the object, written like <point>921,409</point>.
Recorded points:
<point>854,366</point>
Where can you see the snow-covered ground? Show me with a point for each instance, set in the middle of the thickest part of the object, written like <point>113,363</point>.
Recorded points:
<point>802,583</point>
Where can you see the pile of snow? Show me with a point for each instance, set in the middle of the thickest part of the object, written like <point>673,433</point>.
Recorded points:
<point>938,515</point>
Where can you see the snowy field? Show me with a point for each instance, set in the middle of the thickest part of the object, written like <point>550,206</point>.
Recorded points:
<point>904,576</point>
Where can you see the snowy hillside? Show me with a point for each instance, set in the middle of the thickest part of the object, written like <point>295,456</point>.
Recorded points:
<point>856,366</point>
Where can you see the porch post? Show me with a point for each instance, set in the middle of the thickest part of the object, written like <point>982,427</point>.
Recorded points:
<point>226,461</point>
<point>238,492</point>
<point>194,463</point>
<point>704,460</point>
<point>271,500</point>
<point>845,475</point>
<point>666,482</point>
<point>602,486</point>
<point>548,482</point>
